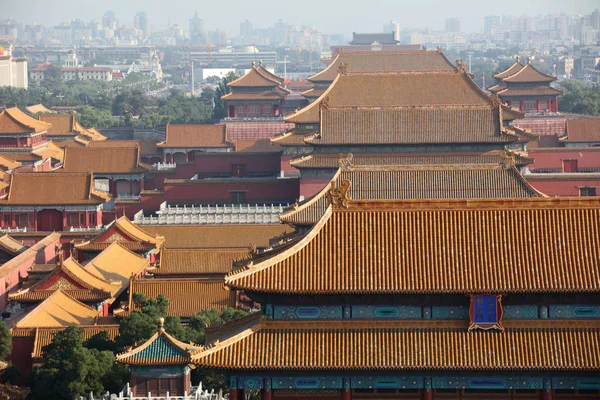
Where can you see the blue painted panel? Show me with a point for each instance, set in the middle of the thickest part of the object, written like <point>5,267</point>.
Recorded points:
<point>391,312</point>
<point>524,311</point>
<point>450,312</point>
<point>575,311</point>
<point>307,312</point>
<point>492,382</point>
<point>485,310</point>
<point>576,383</point>
<point>387,382</point>
<point>307,382</point>
<point>250,382</point>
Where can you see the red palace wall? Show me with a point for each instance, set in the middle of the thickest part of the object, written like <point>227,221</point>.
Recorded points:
<point>562,187</point>
<point>282,191</point>
<point>587,157</point>
<point>206,165</point>
<point>22,348</point>
<point>284,164</point>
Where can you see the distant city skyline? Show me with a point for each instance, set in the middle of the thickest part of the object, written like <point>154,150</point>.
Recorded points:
<point>329,17</point>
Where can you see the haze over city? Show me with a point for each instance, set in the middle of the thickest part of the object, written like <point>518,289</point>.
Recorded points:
<point>327,16</point>
<point>300,200</point>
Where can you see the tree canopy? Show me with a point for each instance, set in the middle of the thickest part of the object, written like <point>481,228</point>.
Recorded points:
<point>579,98</point>
<point>71,370</point>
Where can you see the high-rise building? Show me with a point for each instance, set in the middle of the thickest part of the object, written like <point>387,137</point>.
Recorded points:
<point>246,30</point>
<point>142,23</point>
<point>392,26</point>
<point>109,20</point>
<point>197,34</point>
<point>491,23</point>
<point>453,25</point>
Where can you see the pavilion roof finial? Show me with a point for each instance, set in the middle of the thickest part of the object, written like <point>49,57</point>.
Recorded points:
<point>528,60</point>
<point>260,62</point>
<point>253,64</point>
<point>161,324</point>
<point>519,59</point>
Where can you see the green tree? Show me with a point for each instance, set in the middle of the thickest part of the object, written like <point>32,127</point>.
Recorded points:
<point>580,99</point>
<point>93,118</point>
<point>219,111</point>
<point>71,370</point>
<point>5,341</point>
<point>141,324</point>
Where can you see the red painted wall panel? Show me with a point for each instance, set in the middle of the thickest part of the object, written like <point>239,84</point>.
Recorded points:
<point>586,158</point>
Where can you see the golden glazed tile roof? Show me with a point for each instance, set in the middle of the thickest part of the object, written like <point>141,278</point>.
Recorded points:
<point>196,135</point>
<point>136,238</point>
<point>532,91</point>
<point>529,74</point>
<point>186,297</point>
<point>537,245</point>
<point>117,264</point>
<point>87,286</point>
<point>198,262</point>
<point>263,95</point>
<point>50,150</point>
<point>11,245</point>
<point>466,181</point>
<point>291,138</point>
<point>255,78</point>
<point>58,310</point>
<point>387,345</point>
<point>13,120</point>
<point>217,236</point>
<point>513,69</point>
<point>44,336</point>
<point>265,72</point>
<point>39,109</point>
<point>409,125</point>
<point>53,188</point>
<point>160,349</point>
<point>256,146</point>
<point>384,62</point>
<point>111,160</point>
<point>422,89</point>
<point>62,124</point>
<point>8,163</point>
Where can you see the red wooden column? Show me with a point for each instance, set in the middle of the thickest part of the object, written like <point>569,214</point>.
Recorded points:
<point>537,103</point>
<point>346,393</point>
<point>520,105</point>
<point>265,394</point>
<point>547,390</point>
<point>556,105</point>
<point>427,392</point>
<point>233,394</point>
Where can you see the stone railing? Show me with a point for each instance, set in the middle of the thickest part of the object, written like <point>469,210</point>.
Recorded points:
<point>128,196</point>
<point>196,393</point>
<point>206,214</point>
<point>164,166</point>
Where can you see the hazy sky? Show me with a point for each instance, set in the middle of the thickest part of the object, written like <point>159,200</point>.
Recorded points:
<point>329,16</point>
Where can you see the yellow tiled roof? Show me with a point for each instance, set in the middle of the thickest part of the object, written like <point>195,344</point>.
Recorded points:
<point>535,245</point>
<point>198,262</point>
<point>186,297</point>
<point>405,345</point>
<point>117,264</point>
<point>13,120</point>
<point>58,310</point>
